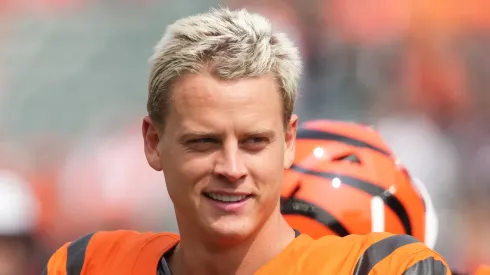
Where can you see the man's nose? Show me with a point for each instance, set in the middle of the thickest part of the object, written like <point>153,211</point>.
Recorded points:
<point>230,164</point>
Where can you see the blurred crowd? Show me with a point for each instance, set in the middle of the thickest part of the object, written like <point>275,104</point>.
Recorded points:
<point>73,89</point>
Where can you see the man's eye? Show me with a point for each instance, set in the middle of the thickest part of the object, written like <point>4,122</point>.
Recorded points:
<point>255,144</point>
<point>254,140</point>
<point>202,141</point>
<point>203,144</point>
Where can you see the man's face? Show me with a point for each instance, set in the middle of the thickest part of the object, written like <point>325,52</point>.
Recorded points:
<point>223,152</point>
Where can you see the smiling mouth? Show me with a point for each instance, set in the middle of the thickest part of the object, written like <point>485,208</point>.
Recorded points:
<point>226,198</point>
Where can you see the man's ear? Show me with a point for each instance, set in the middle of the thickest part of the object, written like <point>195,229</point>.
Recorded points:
<point>290,141</point>
<point>151,137</point>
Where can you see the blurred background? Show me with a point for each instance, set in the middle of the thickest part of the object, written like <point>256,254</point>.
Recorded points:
<point>73,77</point>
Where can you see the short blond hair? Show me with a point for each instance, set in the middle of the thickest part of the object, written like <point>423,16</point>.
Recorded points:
<point>230,45</point>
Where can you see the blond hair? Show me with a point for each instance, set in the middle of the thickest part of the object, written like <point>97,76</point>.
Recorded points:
<point>230,45</point>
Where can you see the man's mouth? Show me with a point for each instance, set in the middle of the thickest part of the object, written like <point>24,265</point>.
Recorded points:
<point>226,198</point>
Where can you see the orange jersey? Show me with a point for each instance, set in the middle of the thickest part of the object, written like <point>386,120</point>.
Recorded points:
<point>129,252</point>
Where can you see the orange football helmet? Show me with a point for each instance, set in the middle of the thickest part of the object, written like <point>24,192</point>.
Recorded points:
<point>345,180</point>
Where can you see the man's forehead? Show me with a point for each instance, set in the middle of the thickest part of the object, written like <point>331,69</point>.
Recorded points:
<point>211,125</point>
<point>193,92</point>
<point>199,88</point>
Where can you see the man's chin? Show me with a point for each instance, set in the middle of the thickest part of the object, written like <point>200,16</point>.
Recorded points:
<point>230,230</point>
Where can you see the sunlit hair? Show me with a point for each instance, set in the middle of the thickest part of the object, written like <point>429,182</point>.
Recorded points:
<point>229,44</point>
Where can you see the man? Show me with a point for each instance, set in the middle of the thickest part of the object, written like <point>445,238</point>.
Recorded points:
<point>220,126</point>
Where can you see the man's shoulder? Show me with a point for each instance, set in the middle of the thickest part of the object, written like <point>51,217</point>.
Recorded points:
<point>381,251</point>
<point>104,249</point>
<point>359,244</point>
<point>122,238</point>
<point>112,242</point>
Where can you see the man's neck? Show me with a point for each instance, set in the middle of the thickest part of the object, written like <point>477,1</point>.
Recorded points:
<point>194,256</point>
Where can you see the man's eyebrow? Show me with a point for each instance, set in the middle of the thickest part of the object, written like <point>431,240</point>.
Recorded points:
<point>261,132</point>
<point>196,134</point>
<point>187,135</point>
<point>267,133</point>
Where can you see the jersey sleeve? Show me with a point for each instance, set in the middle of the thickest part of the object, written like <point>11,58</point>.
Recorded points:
<point>70,258</point>
<point>400,255</point>
<point>425,262</point>
<point>107,252</point>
